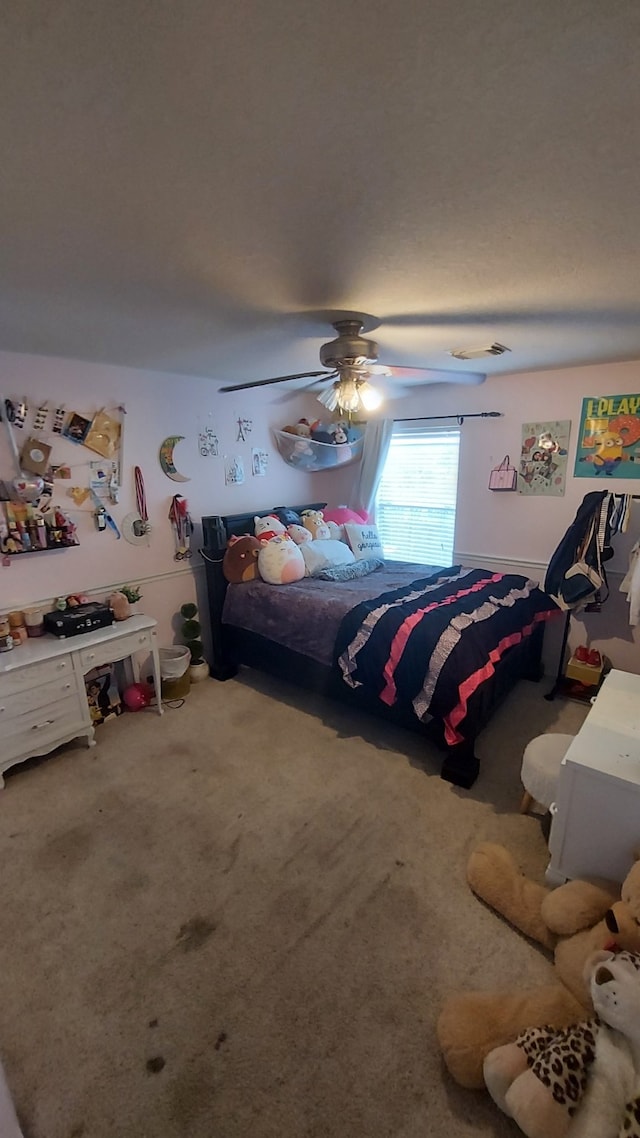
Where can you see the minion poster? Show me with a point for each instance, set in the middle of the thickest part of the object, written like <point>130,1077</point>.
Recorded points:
<point>609,439</point>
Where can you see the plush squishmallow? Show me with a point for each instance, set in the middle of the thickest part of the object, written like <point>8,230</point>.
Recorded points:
<point>280,561</point>
<point>313,520</point>
<point>240,561</point>
<point>299,534</point>
<point>342,514</point>
<point>268,527</point>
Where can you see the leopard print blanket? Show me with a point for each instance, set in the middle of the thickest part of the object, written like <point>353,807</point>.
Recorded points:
<point>562,1060</point>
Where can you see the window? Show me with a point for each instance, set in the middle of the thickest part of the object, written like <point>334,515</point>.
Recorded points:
<point>416,499</point>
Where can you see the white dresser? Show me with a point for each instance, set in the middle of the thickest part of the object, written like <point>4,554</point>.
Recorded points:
<point>596,821</point>
<point>43,700</point>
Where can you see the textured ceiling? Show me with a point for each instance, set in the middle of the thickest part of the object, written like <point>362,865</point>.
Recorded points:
<point>187,186</point>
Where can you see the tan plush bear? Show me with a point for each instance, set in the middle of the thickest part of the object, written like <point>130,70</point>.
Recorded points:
<point>573,921</point>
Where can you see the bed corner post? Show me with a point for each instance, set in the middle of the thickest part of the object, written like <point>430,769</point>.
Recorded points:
<point>222,667</point>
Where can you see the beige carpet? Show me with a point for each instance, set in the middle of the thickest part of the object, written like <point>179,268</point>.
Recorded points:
<point>240,921</point>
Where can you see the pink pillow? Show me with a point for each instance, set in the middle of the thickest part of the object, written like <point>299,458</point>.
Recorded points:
<point>342,514</point>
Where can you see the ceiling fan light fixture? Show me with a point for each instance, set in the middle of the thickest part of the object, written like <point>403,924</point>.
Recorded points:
<point>370,397</point>
<point>329,397</point>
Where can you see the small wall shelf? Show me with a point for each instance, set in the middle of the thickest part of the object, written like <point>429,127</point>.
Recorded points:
<point>305,454</point>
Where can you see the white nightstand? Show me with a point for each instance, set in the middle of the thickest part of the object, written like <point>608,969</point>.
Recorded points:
<point>43,701</point>
<point>596,818</point>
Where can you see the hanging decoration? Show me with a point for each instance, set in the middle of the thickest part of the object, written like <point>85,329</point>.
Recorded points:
<point>135,526</point>
<point>182,527</point>
<point>41,417</point>
<point>609,439</point>
<point>58,420</point>
<point>76,428</point>
<point>103,435</point>
<point>245,426</point>
<point>233,470</point>
<point>543,458</point>
<point>259,461</point>
<point>166,458</point>
<point>34,456</point>
<point>208,444</point>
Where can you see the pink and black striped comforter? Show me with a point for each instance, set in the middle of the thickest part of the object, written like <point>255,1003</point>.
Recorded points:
<point>433,643</point>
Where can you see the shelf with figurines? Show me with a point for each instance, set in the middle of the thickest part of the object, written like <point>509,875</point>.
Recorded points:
<point>312,446</point>
<point>25,530</point>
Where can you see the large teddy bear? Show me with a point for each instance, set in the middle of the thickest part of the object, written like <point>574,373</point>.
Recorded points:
<point>573,921</point>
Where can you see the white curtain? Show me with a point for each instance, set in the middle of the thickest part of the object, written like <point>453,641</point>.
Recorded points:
<point>375,449</point>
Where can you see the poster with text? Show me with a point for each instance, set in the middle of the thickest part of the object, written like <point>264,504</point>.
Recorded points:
<point>609,439</point>
<point>543,457</point>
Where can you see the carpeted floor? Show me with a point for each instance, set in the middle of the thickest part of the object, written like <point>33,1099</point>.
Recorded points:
<point>241,919</point>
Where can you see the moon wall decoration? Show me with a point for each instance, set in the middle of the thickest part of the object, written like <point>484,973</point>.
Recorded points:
<point>166,459</point>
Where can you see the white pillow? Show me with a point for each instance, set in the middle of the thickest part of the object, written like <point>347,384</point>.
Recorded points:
<point>324,552</point>
<point>364,540</point>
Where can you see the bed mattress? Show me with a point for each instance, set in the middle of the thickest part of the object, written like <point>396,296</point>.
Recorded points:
<point>306,615</point>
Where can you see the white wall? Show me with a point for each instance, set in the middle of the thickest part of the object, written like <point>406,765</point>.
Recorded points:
<point>157,405</point>
<point>517,530</point>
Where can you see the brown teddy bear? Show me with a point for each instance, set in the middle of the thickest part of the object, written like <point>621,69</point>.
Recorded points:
<point>240,561</point>
<point>572,921</point>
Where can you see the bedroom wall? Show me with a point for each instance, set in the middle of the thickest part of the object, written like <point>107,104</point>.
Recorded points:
<point>513,530</point>
<point>156,405</point>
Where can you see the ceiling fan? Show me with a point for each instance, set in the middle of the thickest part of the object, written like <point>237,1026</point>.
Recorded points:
<point>349,362</point>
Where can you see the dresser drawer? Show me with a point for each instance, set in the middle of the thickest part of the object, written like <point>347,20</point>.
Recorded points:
<point>32,675</point>
<point>23,701</point>
<point>43,720</point>
<point>113,650</point>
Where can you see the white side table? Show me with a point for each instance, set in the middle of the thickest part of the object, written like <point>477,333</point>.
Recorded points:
<point>43,701</point>
<point>596,819</point>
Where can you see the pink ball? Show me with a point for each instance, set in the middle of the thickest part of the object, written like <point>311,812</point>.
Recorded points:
<point>137,696</point>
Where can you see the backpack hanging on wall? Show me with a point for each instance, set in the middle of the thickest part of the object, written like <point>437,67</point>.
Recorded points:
<point>504,477</point>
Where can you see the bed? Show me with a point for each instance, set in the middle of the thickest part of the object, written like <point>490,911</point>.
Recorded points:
<point>305,633</point>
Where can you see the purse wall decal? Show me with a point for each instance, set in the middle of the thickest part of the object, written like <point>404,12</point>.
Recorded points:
<point>504,476</point>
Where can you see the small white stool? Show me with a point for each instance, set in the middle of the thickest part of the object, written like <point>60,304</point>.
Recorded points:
<point>541,768</point>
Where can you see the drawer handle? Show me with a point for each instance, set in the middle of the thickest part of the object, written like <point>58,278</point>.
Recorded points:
<point>142,640</point>
<point>2,709</point>
<point>66,687</point>
<point>61,667</point>
<point>91,656</point>
<point>39,726</point>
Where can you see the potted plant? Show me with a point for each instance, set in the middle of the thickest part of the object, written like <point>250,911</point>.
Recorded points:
<point>198,669</point>
<point>122,600</point>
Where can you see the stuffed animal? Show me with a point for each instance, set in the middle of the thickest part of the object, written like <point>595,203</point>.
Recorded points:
<point>579,1080</point>
<point>240,561</point>
<point>313,520</point>
<point>119,605</point>
<point>572,921</point>
<point>280,561</point>
<point>268,527</point>
<point>299,534</point>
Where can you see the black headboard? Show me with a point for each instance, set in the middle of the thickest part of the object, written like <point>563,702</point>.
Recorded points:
<point>216,531</point>
<point>218,528</point>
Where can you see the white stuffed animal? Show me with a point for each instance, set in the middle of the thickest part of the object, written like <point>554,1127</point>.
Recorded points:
<point>581,1081</point>
<point>280,561</point>
<point>268,527</point>
<point>299,534</point>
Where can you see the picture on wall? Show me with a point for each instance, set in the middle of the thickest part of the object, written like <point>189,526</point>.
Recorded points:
<point>233,470</point>
<point>609,439</point>
<point>543,457</point>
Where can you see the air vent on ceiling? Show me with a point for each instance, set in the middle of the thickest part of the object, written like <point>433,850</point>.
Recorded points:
<point>494,349</point>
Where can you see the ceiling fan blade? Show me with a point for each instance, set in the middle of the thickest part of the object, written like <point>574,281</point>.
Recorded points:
<point>276,379</point>
<point>434,375</point>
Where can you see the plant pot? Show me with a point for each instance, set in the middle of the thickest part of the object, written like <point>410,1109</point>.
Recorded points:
<point>198,672</point>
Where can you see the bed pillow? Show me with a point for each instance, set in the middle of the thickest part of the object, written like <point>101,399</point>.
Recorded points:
<point>323,554</point>
<point>364,541</point>
<point>342,514</point>
<point>350,572</point>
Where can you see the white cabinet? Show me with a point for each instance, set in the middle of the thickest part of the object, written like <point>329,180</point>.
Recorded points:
<point>596,822</point>
<point>43,701</point>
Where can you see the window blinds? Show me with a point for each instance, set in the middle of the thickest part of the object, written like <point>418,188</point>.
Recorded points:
<point>416,499</point>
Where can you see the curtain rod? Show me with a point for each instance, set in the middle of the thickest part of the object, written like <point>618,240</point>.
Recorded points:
<point>458,418</point>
